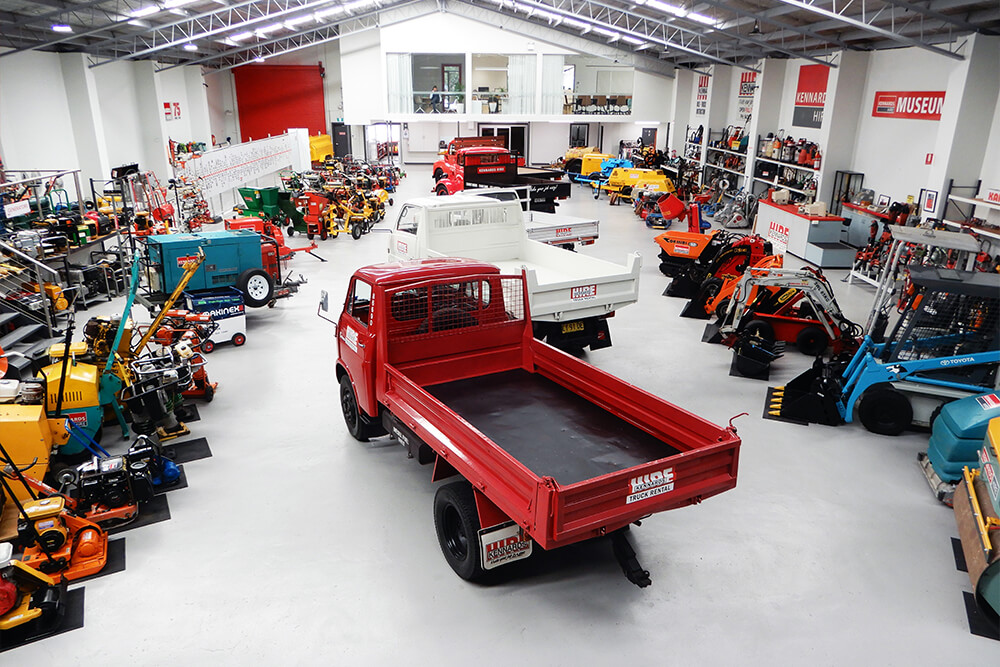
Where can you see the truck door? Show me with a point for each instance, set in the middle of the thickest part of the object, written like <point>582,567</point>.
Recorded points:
<point>356,344</point>
<point>404,237</point>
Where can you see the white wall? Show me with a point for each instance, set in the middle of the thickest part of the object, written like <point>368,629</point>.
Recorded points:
<point>36,128</point>
<point>222,110</point>
<point>363,78</point>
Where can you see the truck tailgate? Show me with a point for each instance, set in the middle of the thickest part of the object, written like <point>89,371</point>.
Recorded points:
<point>554,229</point>
<point>565,286</point>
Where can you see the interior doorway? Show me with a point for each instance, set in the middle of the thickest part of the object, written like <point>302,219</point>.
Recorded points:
<point>578,133</point>
<point>382,142</point>
<point>515,135</point>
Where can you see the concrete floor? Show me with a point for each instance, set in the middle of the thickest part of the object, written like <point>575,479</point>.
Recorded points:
<point>297,545</point>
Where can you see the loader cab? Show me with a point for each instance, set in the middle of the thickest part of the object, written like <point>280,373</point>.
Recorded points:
<point>356,341</point>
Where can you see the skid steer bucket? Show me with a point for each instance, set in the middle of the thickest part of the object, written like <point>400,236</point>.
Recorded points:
<point>683,286</point>
<point>811,397</point>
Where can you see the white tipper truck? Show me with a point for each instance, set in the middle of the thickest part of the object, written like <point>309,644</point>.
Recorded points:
<point>571,295</point>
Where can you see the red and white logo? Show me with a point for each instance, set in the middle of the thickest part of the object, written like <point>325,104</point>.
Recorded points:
<point>78,418</point>
<point>650,485</point>
<point>918,105</point>
<point>181,261</point>
<point>583,293</point>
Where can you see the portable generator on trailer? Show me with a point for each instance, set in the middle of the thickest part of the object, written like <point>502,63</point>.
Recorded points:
<point>227,311</point>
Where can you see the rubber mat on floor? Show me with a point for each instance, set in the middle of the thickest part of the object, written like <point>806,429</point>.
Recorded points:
<point>72,619</point>
<point>115,562</point>
<point>187,451</point>
<point>956,548</point>
<point>979,624</point>
<point>154,511</point>
<point>772,412</point>
<point>181,483</point>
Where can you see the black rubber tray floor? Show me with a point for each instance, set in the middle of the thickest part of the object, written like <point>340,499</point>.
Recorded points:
<point>548,428</point>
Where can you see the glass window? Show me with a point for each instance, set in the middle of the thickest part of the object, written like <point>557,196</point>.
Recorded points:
<point>359,302</point>
<point>407,220</point>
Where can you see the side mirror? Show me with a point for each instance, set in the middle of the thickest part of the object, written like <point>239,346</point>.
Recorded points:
<point>324,301</point>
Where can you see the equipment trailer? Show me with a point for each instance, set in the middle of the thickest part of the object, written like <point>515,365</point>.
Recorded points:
<point>551,451</point>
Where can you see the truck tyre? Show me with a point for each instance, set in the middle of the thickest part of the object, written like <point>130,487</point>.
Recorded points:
<point>356,426</point>
<point>441,190</point>
<point>811,341</point>
<point>438,174</point>
<point>457,524</point>
<point>884,410</point>
<point>257,287</point>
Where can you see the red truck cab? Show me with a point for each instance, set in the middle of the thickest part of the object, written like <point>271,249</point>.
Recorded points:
<point>439,354</point>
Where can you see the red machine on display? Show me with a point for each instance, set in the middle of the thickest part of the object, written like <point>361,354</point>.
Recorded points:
<point>428,349</point>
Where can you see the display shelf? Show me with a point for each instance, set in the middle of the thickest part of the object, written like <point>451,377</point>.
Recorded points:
<point>786,187</point>
<point>691,143</point>
<point>994,234</point>
<point>726,150</point>
<point>726,169</point>
<point>975,202</point>
<point>791,165</point>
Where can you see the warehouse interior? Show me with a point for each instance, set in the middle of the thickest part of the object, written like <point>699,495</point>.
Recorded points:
<point>268,513</point>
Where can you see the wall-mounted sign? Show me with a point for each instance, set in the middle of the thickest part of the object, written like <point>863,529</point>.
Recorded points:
<point>172,110</point>
<point>701,102</point>
<point>744,100</point>
<point>993,196</point>
<point>810,96</point>
<point>928,200</point>
<point>923,105</point>
<point>17,208</point>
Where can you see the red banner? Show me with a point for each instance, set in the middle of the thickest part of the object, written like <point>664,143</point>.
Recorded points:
<point>810,96</point>
<point>922,105</point>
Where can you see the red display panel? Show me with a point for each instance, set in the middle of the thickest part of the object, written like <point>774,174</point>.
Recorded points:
<point>922,105</point>
<point>273,98</point>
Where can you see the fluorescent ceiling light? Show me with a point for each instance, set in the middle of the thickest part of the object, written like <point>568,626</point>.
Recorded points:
<point>631,40</point>
<point>178,12</point>
<point>298,20</point>
<point>145,11</point>
<point>241,35</point>
<point>170,4</point>
<point>357,4</point>
<point>190,47</point>
<point>260,59</point>
<point>140,24</point>
<point>701,18</point>
<point>61,27</point>
<point>269,28</point>
<point>607,33</point>
<point>576,24</point>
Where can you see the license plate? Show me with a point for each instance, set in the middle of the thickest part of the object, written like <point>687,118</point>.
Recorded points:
<point>572,327</point>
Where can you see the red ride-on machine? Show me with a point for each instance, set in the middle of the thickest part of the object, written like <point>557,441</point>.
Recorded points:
<point>724,256</point>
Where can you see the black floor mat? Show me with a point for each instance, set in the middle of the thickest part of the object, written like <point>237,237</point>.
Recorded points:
<point>181,483</point>
<point>191,413</point>
<point>72,619</point>
<point>187,450</point>
<point>115,562</point>
<point>774,413</point>
<point>979,623</point>
<point>956,548</point>
<point>154,511</point>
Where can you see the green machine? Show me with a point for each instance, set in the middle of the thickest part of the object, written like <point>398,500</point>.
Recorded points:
<point>274,205</point>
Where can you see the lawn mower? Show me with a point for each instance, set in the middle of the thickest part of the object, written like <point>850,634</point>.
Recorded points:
<point>31,602</point>
<point>977,513</point>
<point>724,255</point>
<point>779,306</point>
<point>944,346</point>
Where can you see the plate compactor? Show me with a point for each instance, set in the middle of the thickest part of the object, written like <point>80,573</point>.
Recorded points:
<point>31,602</point>
<point>944,346</point>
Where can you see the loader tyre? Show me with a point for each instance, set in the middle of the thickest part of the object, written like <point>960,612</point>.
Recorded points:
<point>811,341</point>
<point>257,287</point>
<point>722,309</point>
<point>457,524</point>
<point>884,410</point>
<point>760,328</point>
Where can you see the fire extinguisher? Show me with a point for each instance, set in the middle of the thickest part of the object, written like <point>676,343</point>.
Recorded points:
<point>817,159</point>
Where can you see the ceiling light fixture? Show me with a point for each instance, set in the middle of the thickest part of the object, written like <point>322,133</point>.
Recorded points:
<point>145,11</point>
<point>755,30</point>
<point>62,27</point>
<point>190,47</point>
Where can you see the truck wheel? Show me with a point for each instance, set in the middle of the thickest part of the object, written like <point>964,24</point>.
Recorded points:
<point>457,524</point>
<point>257,287</point>
<point>441,190</point>
<point>884,410</point>
<point>811,341</point>
<point>352,414</point>
<point>438,174</point>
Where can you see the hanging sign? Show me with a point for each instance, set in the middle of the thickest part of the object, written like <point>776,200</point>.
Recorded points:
<point>923,105</point>
<point>744,100</point>
<point>810,96</point>
<point>701,103</point>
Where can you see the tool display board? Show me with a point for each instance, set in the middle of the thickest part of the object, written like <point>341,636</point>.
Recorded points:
<point>223,169</point>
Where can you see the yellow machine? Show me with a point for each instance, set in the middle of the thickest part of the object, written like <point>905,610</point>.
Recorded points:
<point>29,435</point>
<point>589,163</point>
<point>30,593</point>
<point>623,182</point>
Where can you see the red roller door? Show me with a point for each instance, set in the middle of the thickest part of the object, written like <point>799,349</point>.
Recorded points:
<point>273,98</point>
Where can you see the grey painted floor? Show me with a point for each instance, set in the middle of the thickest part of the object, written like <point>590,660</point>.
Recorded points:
<point>296,545</point>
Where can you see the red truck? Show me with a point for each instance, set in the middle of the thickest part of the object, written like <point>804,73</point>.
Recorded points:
<point>485,162</point>
<point>439,354</point>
